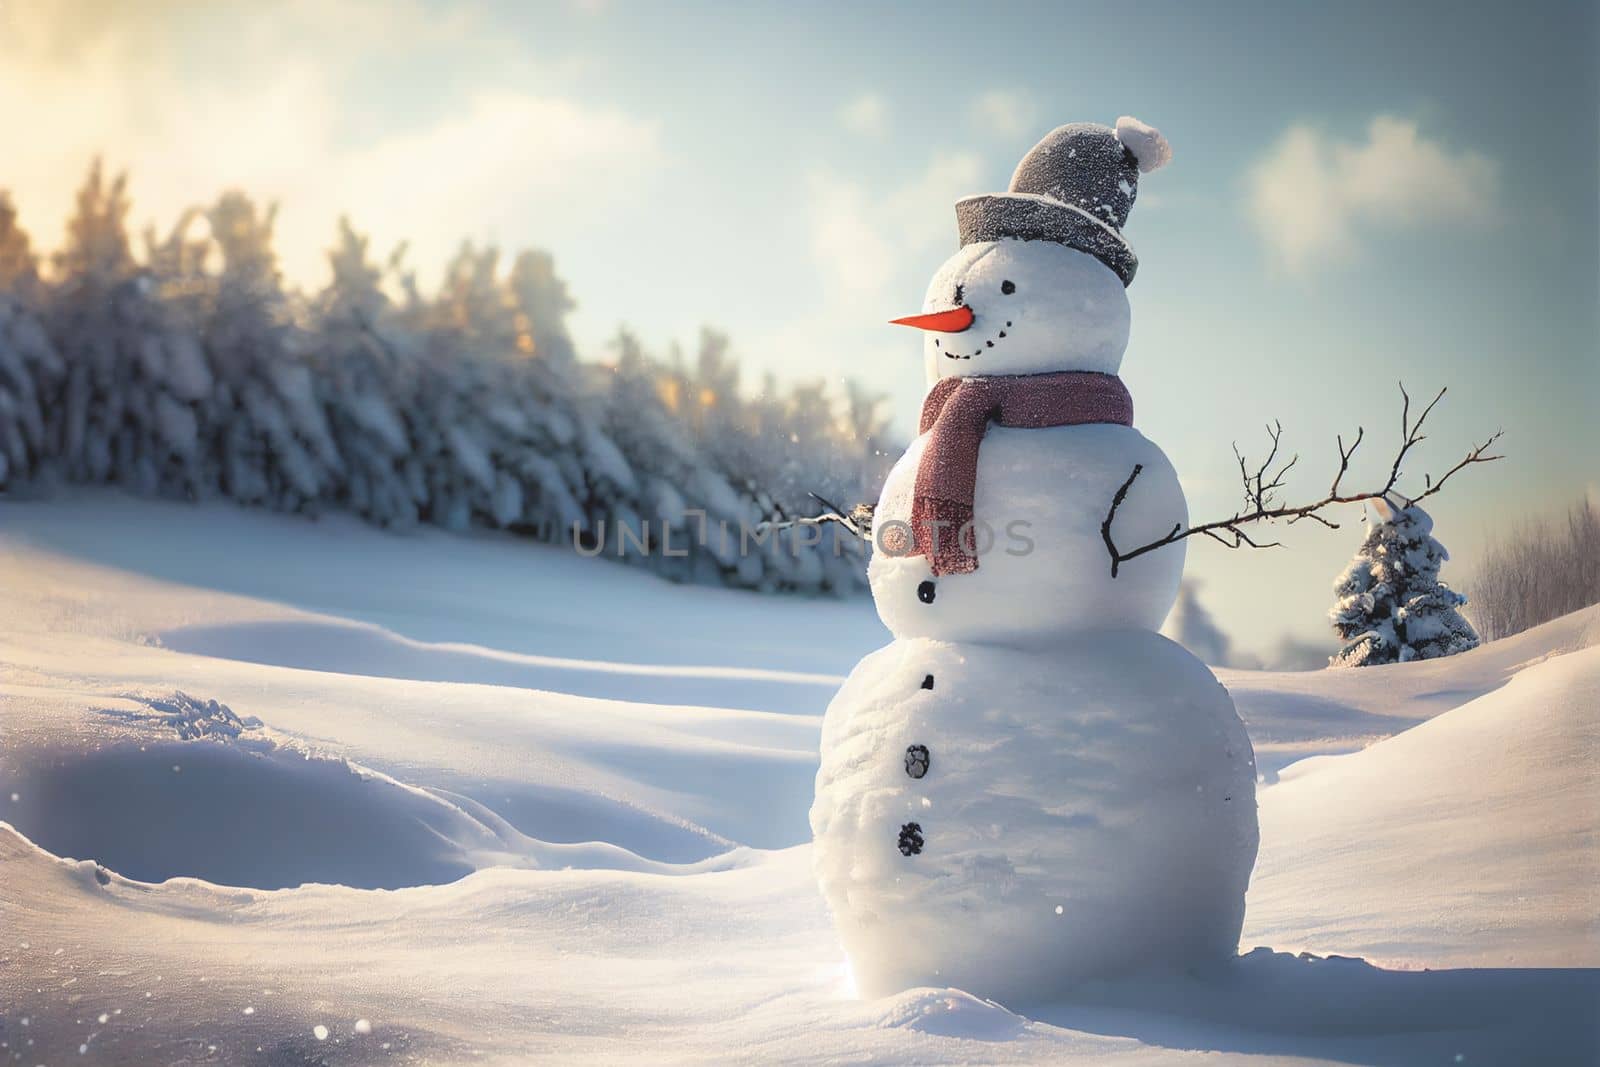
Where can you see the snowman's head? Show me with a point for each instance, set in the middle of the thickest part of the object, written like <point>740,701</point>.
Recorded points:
<point>1022,307</point>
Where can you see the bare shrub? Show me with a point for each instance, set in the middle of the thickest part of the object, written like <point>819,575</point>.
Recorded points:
<point>1543,570</point>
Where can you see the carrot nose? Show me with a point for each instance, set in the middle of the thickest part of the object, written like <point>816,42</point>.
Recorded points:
<point>953,321</point>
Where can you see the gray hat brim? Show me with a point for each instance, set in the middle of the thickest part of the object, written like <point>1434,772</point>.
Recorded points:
<point>1029,217</point>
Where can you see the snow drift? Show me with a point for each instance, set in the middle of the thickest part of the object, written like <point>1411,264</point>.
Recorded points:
<point>1435,817</point>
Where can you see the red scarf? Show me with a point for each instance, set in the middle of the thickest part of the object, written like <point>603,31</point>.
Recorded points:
<point>955,416</point>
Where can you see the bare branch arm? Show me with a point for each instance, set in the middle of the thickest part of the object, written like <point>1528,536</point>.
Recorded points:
<point>1260,488</point>
<point>857,521</point>
<point>1116,502</point>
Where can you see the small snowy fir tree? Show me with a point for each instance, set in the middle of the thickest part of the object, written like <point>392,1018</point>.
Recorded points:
<point>1193,627</point>
<point>1392,607</point>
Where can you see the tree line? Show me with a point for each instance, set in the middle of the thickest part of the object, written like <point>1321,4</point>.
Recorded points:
<point>188,369</point>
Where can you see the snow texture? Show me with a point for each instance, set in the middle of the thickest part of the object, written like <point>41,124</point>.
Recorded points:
<point>1084,815</point>
<point>1082,165</point>
<point>660,905</point>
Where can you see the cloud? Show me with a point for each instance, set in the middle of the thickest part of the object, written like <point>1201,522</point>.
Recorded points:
<point>274,125</point>
<point>477,171</point>
<point>1005,113</point>
<point>1314,198</point>
<point>863,238</point>
<point>75,32</point>
<point>867,114</point>
<point>873,246</point>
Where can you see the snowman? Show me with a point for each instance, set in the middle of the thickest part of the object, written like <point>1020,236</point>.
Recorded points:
<point>1029,787</point>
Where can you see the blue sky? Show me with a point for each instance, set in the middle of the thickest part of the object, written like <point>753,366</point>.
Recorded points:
<point>1360,193</point>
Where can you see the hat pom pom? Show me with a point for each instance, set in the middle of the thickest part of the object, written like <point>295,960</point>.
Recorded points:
<point>1149,148</point>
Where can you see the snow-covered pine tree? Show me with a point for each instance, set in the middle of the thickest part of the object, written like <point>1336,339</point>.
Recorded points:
<point>778,447</point>
<point>365,375</point>
<point>723,426</point>
<point>798,447</point>
<point>500,428</point>
<point>29,363</point>
<point>1391,605</point>
<point>804,461</point>
<point>276,447</point>
<point>658,475</point>
<point>126,409</point>
<point>557,417</point>
<point>542,303</point>
<point>19,265</point>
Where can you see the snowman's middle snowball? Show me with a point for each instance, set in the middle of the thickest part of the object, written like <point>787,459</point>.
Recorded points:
<point>1042,494</point>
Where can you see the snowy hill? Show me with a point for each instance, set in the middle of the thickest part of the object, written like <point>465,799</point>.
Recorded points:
<point>1467,841</point>
<point>558,808</point>
<point>1297,714</point>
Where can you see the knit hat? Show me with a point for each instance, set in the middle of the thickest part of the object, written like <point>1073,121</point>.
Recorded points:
<point>1076,188</point>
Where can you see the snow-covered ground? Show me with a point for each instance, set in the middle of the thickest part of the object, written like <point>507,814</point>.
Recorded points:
<point>335,795</point>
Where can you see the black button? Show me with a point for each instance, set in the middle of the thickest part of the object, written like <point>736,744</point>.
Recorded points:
<point>925,592</point>
<point>910,839</point>
<point>917,760</point>
<point>927,681</point>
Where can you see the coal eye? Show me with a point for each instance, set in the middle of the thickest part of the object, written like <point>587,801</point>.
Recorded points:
<point>961,291</point>
<point>1008,287</point>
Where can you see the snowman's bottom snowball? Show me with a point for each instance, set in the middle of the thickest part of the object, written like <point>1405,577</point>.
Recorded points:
<point>1086,811</point>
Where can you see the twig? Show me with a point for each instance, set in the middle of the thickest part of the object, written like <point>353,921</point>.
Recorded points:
<point>1105,527</point>
<point>858,520</point>
<point>1261,502</point>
